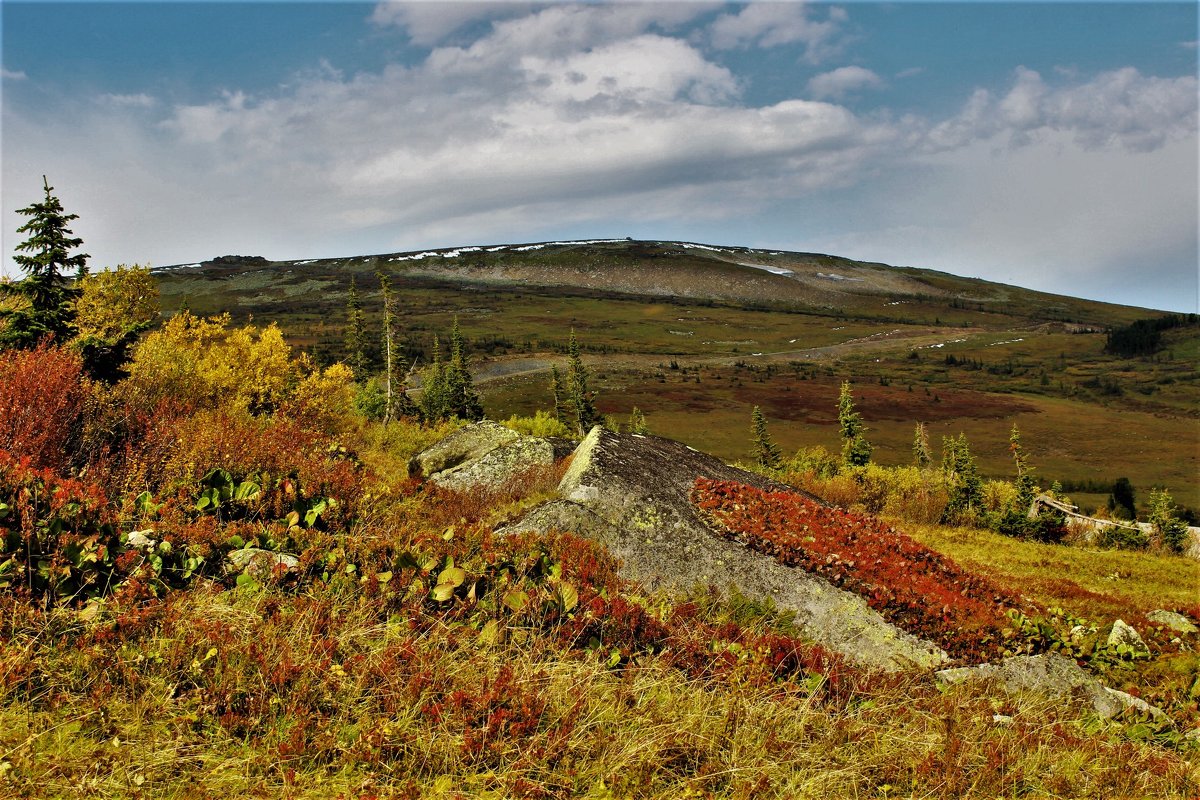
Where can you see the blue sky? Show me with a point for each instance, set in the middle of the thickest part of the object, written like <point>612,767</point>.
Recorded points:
<point>1049,145</point>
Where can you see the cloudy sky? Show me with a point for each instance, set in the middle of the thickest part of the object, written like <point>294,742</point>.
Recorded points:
<point>1048,145</point>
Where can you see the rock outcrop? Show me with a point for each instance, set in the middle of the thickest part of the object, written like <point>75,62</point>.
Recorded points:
<point>464,445</point>
<point>632,494</point>
<point>1055,676</point>
<point>485,456</point>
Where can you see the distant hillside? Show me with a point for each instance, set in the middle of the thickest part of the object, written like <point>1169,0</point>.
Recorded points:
<point>739,276</point>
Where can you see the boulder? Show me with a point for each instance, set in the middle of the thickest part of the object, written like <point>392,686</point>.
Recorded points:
<point>260,564</point>
<point>1123,633</point>
<point>508,462</point>
<point>631,494</point>
<point>1169,619</point>
<point>465,444</point>
<point>1054,676</point>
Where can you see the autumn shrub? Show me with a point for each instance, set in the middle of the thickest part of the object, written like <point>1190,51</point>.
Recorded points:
<point>59,535</point>
<point>205,361</point>
<point>43,395</point>
<point>323,400</point>
<point>541,424</point>
<point>912,586</point>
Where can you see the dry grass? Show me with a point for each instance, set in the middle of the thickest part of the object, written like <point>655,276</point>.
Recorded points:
<point>643,731</point>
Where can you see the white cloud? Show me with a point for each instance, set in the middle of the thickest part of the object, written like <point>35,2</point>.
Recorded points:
<point>1120,107</point>
<point>599,118</point>
<point>1104,223</point>
<point>429,22</point>
<point>10,75</point>
<point>771,24</point>
<point>140,100</point>
<point>842,81</point>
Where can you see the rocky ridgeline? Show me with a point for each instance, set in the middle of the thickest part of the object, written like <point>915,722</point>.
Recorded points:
<point>632,494</point>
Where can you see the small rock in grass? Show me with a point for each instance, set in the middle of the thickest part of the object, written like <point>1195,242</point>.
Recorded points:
<point>1172,620</point>
<point>1124,634</point>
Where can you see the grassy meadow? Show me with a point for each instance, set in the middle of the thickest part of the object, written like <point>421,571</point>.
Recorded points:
<point>218,580</point>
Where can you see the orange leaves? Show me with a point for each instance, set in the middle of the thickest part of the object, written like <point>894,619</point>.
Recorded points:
<point>42,395</point>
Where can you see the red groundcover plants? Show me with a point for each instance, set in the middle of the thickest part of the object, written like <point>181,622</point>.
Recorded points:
<point>912,586</point>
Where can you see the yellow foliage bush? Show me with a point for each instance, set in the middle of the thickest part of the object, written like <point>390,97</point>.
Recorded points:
<point>542,424</point>
<point>198,360</point>
<point>998,496</point>
<point>324,400</point>
<point>113,302</point>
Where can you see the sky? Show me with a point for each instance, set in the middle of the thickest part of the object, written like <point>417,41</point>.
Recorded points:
<point>1052,146</point>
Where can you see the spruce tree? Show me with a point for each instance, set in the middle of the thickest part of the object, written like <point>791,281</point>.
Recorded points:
<point>637,422</point>
<point>581,398</point>
<point>356,334</point>
<point>1025,484</point>
<point>558,393</point>
<point>1171,531</point>
<point>921,446</point>
<point>462,400</point>
<point>433,391</point>
<point>48,296</point>
<point>766,452</point>
<point>962,480</point>
<point>856,451</point>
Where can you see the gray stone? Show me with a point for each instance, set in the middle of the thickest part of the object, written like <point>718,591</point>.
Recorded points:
<point>509,462</point>
<point>632,494</point>
<point>140,540</point>
<point>1124,633</point>
<point>465,444</point>
<point>260,564</point>
<point>1176,622</point>
<point>1054,676</point>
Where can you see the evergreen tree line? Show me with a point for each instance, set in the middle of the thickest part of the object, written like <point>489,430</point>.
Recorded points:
<point>1144,336</point>
<point>447,389</point>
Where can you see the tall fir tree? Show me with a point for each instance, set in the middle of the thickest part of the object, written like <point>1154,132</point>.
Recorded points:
<point>856,450</point>
<point>433,386</point>
<point>582,399</point>
<point>962,480</point>
<point>766,452</point>
<point>462,400</point>
<point>48,297</point>
<point>1025,484</point>
<point>637,422</point>
<point>356,334</point>
<point>920,446</point>
<point>558,394</point>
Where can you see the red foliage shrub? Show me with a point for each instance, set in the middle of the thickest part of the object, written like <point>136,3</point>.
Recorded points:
<point>42,396</point>
<point>58,539</point>
<point>910,585</point>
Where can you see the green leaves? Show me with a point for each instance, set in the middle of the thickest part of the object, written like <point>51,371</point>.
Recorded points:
<point>448,580</point>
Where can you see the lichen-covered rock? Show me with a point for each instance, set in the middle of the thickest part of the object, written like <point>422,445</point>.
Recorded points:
<point>632,494</point>
<point>498,466</point>
<point>261,564</point>
<point>465,444</point>
<point>1123,633</point>
<point>1055,676</point>
<point>1170,619</point>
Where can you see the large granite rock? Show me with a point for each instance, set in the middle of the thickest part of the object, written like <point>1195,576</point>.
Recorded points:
<point>1055,676</point>
<point>485,456</point>
<point>495,468</point>
<point>632,494</point>
<point>464,445</point>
